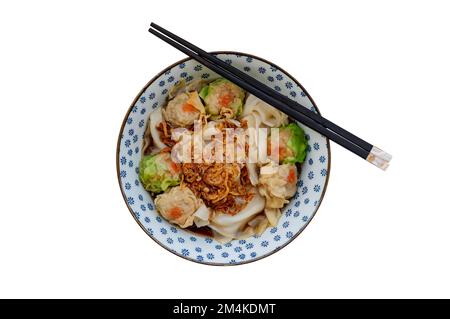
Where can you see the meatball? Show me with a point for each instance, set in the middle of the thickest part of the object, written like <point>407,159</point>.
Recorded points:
<point>158,172</point>
<point>223,99</point>
<point>178,206</point>
<point>183,110</point>
<point>292,144</point>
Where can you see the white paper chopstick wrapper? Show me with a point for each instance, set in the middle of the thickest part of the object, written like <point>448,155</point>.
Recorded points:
<point>379,158</point>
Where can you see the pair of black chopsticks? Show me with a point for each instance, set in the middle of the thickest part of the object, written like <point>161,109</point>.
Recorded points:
<point>297,111</point>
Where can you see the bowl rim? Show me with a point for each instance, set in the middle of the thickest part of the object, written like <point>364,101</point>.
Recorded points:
<point>118,160</point>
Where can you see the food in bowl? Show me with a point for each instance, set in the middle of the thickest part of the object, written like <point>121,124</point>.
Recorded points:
<point>209,168</point>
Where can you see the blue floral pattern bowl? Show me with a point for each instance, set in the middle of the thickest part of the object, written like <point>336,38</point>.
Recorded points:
<point>296,215</point>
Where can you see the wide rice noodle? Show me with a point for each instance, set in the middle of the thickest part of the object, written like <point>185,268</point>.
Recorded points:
<point>227,227</point>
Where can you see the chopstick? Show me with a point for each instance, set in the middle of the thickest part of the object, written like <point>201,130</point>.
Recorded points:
<point>300,113</point>
<point>263,96</point>
<point>261,86</point>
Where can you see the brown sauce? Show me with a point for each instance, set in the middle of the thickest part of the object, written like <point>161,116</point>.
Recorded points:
<point>205,231</point>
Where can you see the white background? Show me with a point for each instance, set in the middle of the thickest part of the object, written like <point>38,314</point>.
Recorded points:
<point>70,70</point>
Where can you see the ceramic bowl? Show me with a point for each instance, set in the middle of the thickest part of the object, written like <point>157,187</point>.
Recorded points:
<point>295,216</point>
